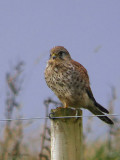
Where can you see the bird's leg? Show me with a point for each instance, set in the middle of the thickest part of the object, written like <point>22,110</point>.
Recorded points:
<point>65,105</point>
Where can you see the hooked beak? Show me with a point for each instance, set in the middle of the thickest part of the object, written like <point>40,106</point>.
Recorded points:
<point>54,56</point>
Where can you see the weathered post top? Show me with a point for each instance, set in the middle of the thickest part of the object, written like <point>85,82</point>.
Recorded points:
<point>66,135</point>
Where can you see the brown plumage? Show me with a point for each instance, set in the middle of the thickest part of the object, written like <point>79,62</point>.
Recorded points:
<point>69,80</point>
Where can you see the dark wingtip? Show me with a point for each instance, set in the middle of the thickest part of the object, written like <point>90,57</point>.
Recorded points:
<point>106,120</point>
<point>101,108</point>
<point>110,122</point>
<point>95,110</point>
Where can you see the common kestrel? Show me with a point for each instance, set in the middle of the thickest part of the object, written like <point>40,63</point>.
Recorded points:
<point>69,80</point>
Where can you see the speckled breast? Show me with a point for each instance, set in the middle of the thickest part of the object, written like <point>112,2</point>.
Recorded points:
<point>63,80</point>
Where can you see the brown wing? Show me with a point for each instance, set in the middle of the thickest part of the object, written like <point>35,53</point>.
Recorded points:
<point>85,77</point>
<point>83,72</point>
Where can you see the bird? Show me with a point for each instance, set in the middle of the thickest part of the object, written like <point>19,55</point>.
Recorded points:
<point>70,82</point>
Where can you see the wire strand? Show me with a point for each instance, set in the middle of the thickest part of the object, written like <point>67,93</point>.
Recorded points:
<point>37,118</point>
<point>109,115</point>
<point>23,119</point>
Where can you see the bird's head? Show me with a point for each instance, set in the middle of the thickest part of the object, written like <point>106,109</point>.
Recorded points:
<point>59,53</point>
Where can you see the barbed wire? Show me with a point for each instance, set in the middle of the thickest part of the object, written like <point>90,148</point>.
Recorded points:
<point>49,117</point>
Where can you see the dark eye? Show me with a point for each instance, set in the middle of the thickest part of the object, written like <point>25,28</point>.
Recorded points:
<point>61,53</point>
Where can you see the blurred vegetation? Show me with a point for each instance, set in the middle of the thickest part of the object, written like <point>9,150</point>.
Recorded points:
<point>13,145</point>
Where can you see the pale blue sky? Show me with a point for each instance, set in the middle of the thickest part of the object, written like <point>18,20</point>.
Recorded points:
<point>30,28</point>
